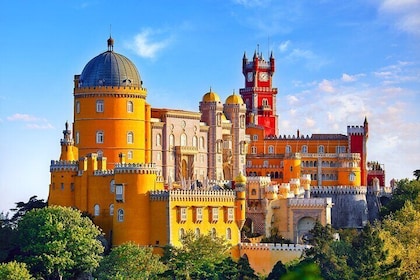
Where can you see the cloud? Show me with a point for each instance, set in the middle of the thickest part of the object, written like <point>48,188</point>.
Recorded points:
<point>284,46</point>
<point>404,13</point>
<point>312,60</point>
<point>310,122</point>
<point>252,3</point>
<point>146,44</point>
<point>32,122</point>
<point>292,99</point>
<point>326,86</point>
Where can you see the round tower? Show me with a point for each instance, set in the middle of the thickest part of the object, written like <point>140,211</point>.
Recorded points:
<point>292,165</point>
<point>111,115</point>
<point>240,187</point>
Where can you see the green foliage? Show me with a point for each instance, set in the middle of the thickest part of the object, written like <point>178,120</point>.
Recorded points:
<point>57,241</point>
<point>416,173</point>
<point>303,271</point>
<point>278,270</point>
<point>406,190</point>
<point>198,258</point>
<point>24,207</point>
<point>14,270</point>
<point>130,261</point>
<point>245,271</point>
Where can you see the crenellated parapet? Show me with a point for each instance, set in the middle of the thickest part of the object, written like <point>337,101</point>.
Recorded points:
<point>108,172</point>
<point>310,202</point>
<point>273,247</point>
<point>136,168</point>
<point>63,165</point>
<point>339,190</point>
<point>193,195</point>
<point>355,130</point>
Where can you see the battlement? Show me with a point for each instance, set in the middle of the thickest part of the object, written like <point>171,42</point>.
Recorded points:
<point>273,247</point>
<point>107,89</point>
<point>138,168</point>
<point>193,195</point>
<point>340,190</point>
<point>272,189</point>
<point>63,165</point>
<point>109,172</point>
<point>259,89</point>
<point>262,180</point>
<point>310,202</point>
<point>355,130</point>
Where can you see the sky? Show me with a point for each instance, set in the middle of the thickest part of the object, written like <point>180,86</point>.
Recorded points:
<point>337,62</point>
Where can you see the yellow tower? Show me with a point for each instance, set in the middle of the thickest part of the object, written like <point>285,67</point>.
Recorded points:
<point>111,115</point>
<point>292,165</point>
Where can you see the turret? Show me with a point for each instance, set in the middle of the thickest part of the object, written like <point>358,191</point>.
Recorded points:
<point>240,186</point>
<point>68,150</point>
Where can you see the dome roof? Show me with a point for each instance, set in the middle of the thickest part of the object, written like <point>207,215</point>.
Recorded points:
<point>240,179</point>
<point>234,99</point>
<point>211,97</point>
<point>110,69</point>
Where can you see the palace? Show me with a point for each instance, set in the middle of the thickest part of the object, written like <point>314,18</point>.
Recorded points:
<point>149,175</point>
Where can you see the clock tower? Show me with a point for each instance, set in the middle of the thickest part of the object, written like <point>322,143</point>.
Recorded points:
<point>258,94</point>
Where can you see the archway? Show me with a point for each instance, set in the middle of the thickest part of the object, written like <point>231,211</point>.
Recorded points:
<point>304,225</point>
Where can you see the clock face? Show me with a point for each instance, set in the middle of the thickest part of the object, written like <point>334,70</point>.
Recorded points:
<point>263,76</point>
<point>250,77</point>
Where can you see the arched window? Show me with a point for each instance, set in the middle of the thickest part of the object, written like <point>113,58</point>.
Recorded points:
<point>111,209</point>
<point>99,106</point>
<point>321,149</point>
<point>265,102</point>
<point>96,210</point>
<point>228,234</point>
<point>352,177</point>
<point>77,107</point>
<point>99,137</point>
<point>77,137</point>
<point>120,215</point>
<point>100,153</point>
<point>288,149</point>
<point>130,137</point>
<point>271,149</point>
<point>253,192</point>
<point>304,149</point>
<point>171,140</point>
<point>130,155</point>
<point>130,107</point>
<point>183,140</point>
<point>242,121</point>
<point>158,140</point>
<point>194,141</point>
<point>219,119</point>
<point>112,186</point>
<point>253,150</point>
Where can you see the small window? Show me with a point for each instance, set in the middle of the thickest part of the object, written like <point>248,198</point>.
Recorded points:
<point>130,107</point>
<point>228,234</point>
<point>77,107</point>
<point>202,144</point>
<point>194,141</point>
<point>96,210</point>
<point>111,209</point>
<point>130,155</point>
<point>120,215</point>
<point>119,192</point>
<point>62,186</point>
<point>198,214</point>
<point>253,192</point>
<point>183,214</point>
<point>215,214</point>
<point>352,177</point>
<point>130,137</point>
<point>158,140</point>
<point>288,149</point>
<point>197,232</point>
<point>183,140</point>
<point>265,163</point>
<point>321,149</point>
<point>171,140</point>
<point>112,186</point>
<point>72,187</point>
<point>271,149</point>
<point>77,137</point>
<point>253,150</point>
<point>230,215</point>
<point>304,149</point>
<point>255,137</point>
<point>99,106</point>
<point>99,137</point>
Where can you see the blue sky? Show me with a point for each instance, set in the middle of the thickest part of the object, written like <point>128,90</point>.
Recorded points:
<point>337,62</point>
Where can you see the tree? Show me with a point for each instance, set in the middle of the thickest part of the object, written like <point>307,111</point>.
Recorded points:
<point>57,241</point>
<point>197,258</point>
<point>14,270</point>
<point>368,257</point>
<point>245,271</point>
<point>130,261</point>
<point>401,233</point>
<point>24,207</point>
<point>406,190</point>
<point>303,271</point>
<point>416,173</point>
<point>278,270</point>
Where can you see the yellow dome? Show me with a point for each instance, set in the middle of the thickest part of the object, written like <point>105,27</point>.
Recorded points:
<point>240,179</point>
<point>211,97</point>
<point>234,99</point>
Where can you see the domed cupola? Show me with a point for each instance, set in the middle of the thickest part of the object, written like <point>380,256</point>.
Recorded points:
<point>110,69</point>
<point>234,99</point>
<point>211,97</point>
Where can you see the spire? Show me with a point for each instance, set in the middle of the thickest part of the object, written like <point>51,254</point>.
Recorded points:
<point>271,55</point>
<point>244,57</point>
<point>110,44</point>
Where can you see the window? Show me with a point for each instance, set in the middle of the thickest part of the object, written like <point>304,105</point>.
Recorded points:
<point>253,150</point>
<point>183,140</point>
<point>219,119</point>
<point>99,137</point>
<point>255,137</point>
<point>228,234</point>
<point>171,140</point>
<point>99,106</point>
<point>265,163</point>
<point>62,186</point>
<point>271,149</point>
<point>159,156</point>
<point>194,141</point>
<point>100,153</point>
<point>77,137</point>
<point>288,149</point>
<point>130,155</point>
<point>198,214</point>
<point>340,149</point>
<point>120,215</point>
<point>249,163</point>
<point>304,149</point>
<point>130,106</point>
<point>321,149</point>
<point>111,209</point>
<point>202,143</point>
<point>352,177</point>
<point>214,214</point>
<point>112,186</point>
<point>158,140</point>
<point>119,192</point>
<point>130,137</point>
<point>72,187</point>
<point>96,210</point>
<point>230,214</point>
<point>242,121</point>
<point>183,214</point>
<point>77,107</point>
<point>265,102</point>
<point>253,192</point>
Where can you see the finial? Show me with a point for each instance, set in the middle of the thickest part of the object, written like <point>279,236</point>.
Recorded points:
<point>110,44</point>
<point>210,89</point>
<point>67,125</point>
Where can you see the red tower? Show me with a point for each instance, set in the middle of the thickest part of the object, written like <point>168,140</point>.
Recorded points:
<point>358,136</point>
<point>258,94</point>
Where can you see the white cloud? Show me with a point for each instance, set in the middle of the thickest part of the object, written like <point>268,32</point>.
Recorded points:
<point>32,122</point>
<point>405,14</point>
<point>326,86</point>
<point>22,117</point>
<point>310,122</point>
<point>292,99</point>
<point>312,60</point>
<point>284,46</point>
<point>145,44</point>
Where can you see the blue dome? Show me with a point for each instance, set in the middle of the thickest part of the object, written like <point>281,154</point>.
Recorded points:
<point>110,69</point>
